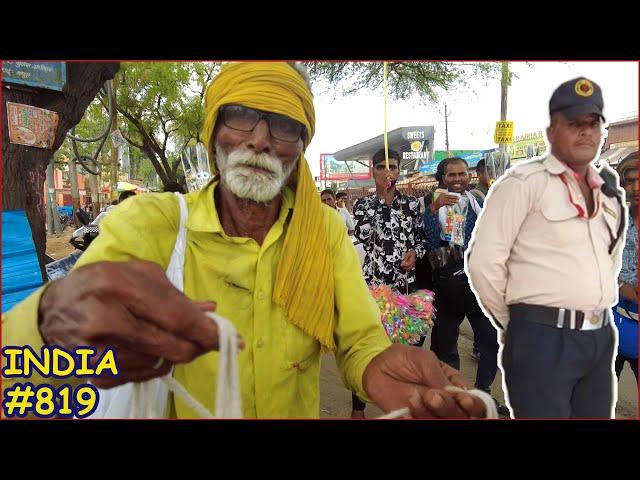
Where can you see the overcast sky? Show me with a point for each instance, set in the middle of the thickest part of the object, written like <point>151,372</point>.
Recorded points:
<point>345,121</point>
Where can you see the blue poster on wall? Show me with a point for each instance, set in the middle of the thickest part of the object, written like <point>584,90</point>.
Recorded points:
<point>49,75</point>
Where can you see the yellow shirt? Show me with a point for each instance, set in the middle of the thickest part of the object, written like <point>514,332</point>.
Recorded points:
<point>280,365</point>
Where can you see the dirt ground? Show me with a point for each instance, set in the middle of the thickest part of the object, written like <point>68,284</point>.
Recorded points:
<point>335,399</point>
<point>58,246</point>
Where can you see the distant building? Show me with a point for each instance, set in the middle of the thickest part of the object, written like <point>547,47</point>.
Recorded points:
<point>621,141</point>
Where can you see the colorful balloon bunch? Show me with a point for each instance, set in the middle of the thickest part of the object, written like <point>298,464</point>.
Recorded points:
<point>405,318</point>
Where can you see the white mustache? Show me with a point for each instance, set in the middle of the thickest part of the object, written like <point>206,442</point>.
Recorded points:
<point>254,185</point>
<point>240,158</point>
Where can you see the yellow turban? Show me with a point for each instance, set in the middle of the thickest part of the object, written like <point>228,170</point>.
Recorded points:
<point>304,281</point>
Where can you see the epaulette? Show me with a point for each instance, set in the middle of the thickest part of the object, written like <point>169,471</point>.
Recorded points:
<point>524,170</point>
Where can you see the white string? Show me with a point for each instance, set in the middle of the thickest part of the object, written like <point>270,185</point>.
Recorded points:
<point>179,390</point>
<point>490,405</point>
<point>228,400</point>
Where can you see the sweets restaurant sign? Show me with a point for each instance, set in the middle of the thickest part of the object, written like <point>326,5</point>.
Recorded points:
<point>48,75</point>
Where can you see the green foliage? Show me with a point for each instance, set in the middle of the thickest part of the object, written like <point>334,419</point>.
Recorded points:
<point>159,108</point>
<point>92,125</point>
<point>404,79</point>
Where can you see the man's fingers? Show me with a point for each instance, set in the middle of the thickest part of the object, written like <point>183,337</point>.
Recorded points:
<point>454,376</point>
<point>127,359</point>
<point>136,334</point>
<point>429,371</point>
<point>141,375</point>
<point>435,403</point>
<point>207,306</point>
<point>161,303</point>
<point>473,406</point>
<point>443,404</point>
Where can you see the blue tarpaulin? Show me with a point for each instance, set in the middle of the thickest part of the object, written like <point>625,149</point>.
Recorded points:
<point>66,210</point>
<point>20,268</point>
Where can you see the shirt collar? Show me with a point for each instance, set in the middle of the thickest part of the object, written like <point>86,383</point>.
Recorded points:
<point>557,167</point>
<point>203,216</point>
<point>397,196</point>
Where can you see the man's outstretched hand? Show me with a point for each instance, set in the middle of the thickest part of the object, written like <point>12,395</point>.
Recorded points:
<point>406,376</point>
<point>133,308</point>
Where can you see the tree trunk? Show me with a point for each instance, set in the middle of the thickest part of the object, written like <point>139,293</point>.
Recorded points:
<point>23,168</point>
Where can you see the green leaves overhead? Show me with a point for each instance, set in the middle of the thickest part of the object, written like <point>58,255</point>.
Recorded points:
<point>405,79</point>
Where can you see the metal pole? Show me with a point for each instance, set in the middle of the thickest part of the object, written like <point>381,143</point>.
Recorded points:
<point>504,85</point>
<point>324,161</point>
<point>95,195</point>
<point>446,129</point>
<point>53,220</point>
<point>75,194</point>
<point>114,150</point>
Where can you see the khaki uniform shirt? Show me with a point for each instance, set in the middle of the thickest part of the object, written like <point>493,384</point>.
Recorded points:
<point>534,243</point>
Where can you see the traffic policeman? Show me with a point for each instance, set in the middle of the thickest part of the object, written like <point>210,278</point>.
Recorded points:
<point>544,261</point>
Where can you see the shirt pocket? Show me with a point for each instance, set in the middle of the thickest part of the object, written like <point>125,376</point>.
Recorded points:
<point>301,350</point>
<point>562,225</point>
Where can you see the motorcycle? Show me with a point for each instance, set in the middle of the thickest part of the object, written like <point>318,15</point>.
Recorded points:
<point>81,238</point>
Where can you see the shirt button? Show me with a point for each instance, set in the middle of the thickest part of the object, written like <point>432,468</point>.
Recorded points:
<point>259,344</point>
<point>595,319</point>
<point>261,295</point>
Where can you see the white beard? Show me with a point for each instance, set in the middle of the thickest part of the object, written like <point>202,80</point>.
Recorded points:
<point>245,182</point>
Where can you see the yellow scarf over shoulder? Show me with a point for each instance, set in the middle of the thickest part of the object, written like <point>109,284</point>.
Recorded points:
<point>304,281</point>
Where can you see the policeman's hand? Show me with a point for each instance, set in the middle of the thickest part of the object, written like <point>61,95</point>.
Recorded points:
<point>406,376</point>
<point>132,307</point>
<point>444,199</point>
<point>409,261</point>
<point>628,291</point>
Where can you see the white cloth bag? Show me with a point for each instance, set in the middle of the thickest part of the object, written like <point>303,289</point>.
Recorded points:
<point>118,402</point>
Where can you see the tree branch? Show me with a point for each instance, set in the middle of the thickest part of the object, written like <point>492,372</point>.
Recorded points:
<point>131,142</point>
<point>146,137</point>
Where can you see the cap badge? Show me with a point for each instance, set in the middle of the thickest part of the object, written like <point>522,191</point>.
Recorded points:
<point>584,88</point>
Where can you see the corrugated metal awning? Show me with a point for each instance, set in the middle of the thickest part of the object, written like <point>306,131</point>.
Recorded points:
<point>614,156</point>
<point>20,268</point>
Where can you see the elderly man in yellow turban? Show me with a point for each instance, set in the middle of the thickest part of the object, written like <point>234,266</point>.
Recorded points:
<point>261,250</point>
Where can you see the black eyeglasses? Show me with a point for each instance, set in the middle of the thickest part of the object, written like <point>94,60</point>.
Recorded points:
<point>245,119</point>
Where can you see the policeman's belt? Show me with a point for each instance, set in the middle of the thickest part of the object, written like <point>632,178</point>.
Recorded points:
<point>561,317</point>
